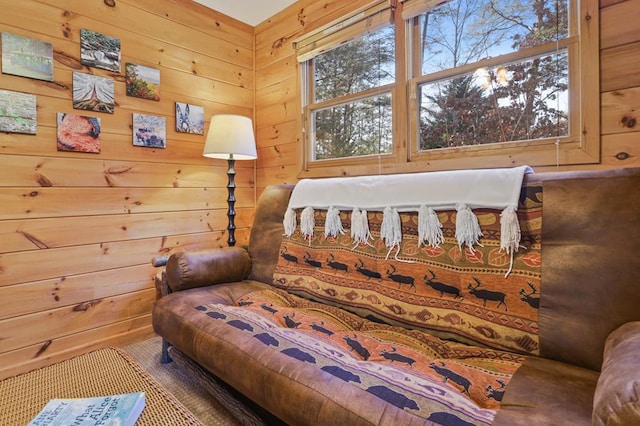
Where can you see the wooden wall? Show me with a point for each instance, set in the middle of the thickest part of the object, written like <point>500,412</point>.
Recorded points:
<point>77,230</point>
<point>278,104</point>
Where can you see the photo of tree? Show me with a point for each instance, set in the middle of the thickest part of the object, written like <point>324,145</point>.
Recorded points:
<point>17,112</point>
<point>189,118</point>
<point>99,50</point>
<point>93,93</point>
<point>78,133</point>
<point>142,82</point>
<point>149,131</point>
<point>26,57</point>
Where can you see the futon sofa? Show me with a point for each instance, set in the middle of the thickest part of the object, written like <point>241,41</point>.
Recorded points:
<point>323,327</point>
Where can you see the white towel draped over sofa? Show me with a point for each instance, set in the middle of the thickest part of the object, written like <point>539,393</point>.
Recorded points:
<point>425,193</point>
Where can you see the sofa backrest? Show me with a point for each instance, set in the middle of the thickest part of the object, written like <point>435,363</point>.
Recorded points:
<point>267,230</point>
<point>590,235</point>
<point>590,261</point>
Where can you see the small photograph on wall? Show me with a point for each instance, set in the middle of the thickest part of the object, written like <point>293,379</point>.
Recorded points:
<point>93,93</point>
<point>149,131</point>
<point>99,50</point>
<point>142,82</point>
<point>27,57</point>
<point>78,133</point>
<point>189,118</point>
<point>17,112</point>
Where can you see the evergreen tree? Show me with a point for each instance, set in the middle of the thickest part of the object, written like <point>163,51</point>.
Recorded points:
<point>361,126</point>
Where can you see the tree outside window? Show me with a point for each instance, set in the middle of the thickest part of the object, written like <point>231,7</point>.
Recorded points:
<point>351,114</point>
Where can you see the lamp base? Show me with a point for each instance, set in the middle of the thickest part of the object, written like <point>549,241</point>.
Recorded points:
<point>231,201</point>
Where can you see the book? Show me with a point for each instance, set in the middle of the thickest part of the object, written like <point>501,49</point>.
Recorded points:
<point>122,409</point>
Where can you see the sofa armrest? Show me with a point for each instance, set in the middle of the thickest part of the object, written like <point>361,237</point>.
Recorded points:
<point>617,397</point>
<point>189,269</point>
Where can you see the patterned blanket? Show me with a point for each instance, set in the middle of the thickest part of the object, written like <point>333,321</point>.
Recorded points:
<point>436,331</point>
<point>455,292</point>
<point>412,370</point>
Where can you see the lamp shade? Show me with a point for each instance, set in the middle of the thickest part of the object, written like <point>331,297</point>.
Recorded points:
<point>230,136</point>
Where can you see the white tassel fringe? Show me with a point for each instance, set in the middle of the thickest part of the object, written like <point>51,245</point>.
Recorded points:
<point>333,224</point>
<point>289,222</point>
<point>360,227</point>
<point>429,227</point>
<point>391,228</point>
<point>467,227</point>
<point>307,223</point>
<point>509,230</point>
<point>509,234</point>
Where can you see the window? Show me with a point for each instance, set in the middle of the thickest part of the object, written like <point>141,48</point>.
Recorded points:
<point>451,84</point>
<point>349,87</point>
<point>499,78</point>
<point>352,86</point>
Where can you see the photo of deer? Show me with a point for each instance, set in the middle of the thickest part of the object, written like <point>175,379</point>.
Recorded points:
<point>99,50</point>
<point>27,57</point>
<point>189,118</point>
<point>17,112</point>
<point>149,131</point>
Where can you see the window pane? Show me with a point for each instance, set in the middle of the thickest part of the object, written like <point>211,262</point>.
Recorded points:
<point>353,129</point>
<point>361,64</point>
<point>514,102</point>
<point>466,31</point>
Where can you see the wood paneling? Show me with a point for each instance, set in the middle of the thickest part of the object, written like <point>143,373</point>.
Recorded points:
<point>79,230</point>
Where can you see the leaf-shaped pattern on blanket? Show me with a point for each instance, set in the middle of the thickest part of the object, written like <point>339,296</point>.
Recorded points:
<point>473,256</point>
<point>532,259</point>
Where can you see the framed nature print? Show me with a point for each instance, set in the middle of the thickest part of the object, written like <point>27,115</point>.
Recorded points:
<point>93,93</point>
<point>27,57</point>
<point>189,118</point>
<point>17,112</point>
<point>78,133</point>
<point>99,50</point>
<point>142,82</point>
<point>149,131</point>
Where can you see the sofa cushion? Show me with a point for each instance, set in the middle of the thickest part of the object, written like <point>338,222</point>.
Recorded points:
<point>455,292</point>
<point>296,392</point>
<point>617,397</point>
<point>544,392</point>
<point>409,369</point>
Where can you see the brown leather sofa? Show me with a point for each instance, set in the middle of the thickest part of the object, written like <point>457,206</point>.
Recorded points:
<point>582,365</point>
